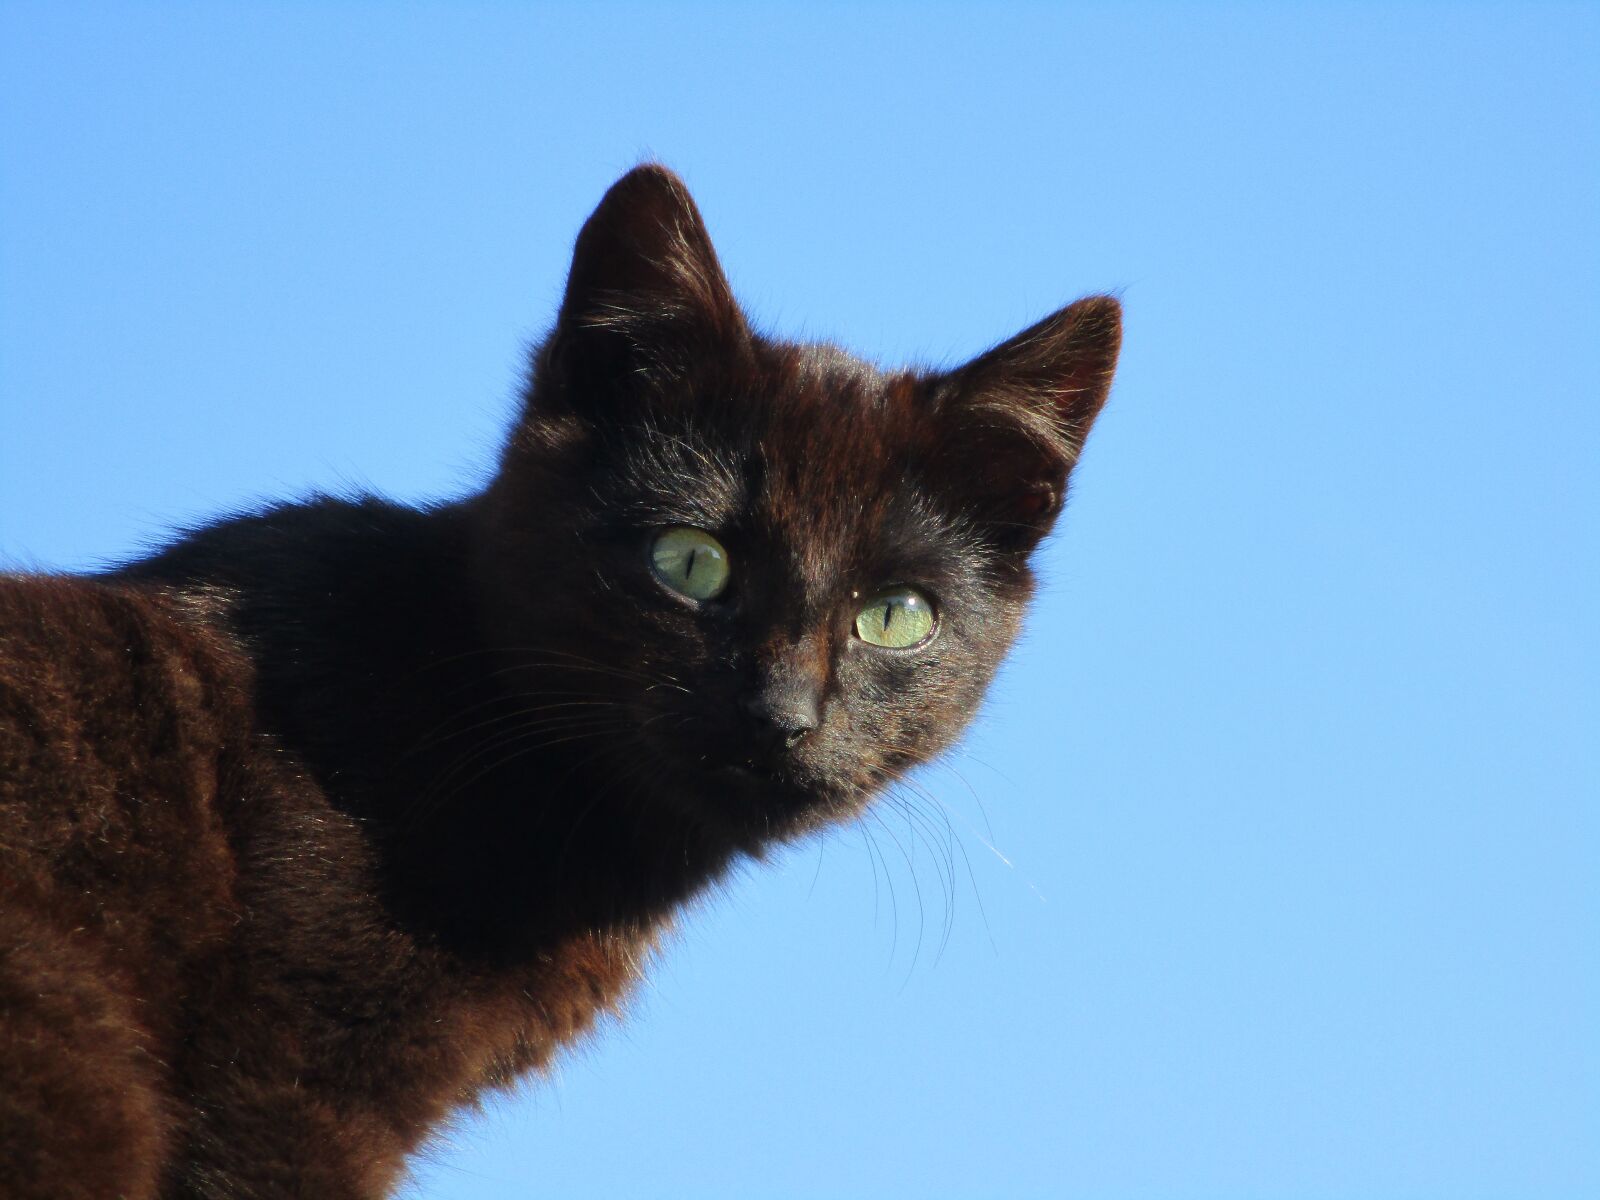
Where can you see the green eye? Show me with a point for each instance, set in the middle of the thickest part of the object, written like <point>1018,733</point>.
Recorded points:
<point>691,562</point>
<point>898,618</point>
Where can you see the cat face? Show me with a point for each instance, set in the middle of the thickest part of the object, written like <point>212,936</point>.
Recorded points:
<point>786,577</point>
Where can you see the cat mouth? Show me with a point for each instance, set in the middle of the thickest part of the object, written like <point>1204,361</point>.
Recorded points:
<point>749,800</point>
<point>753,780</point>
<point>742,795</point>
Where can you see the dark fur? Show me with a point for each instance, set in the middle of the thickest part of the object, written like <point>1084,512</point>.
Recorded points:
<point>322,820</point>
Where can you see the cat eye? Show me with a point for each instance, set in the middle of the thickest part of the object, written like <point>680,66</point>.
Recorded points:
<point>896,619</point>
<point>691,562</point>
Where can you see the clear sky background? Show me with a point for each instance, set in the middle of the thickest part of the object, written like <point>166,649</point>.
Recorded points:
<point>1292,787</point>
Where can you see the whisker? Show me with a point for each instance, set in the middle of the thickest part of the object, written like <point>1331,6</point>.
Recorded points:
<point>440,734</point>
<point>573,725</point>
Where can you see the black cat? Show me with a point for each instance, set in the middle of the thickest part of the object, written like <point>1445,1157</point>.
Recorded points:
<point>322,820</point>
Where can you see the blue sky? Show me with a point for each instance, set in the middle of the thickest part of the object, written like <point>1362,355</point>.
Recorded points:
<point>1274,859</point>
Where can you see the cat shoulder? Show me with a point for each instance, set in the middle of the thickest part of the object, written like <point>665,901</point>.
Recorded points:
<point>110,693</point>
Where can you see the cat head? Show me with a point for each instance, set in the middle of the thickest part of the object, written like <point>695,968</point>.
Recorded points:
<point>766,578</point>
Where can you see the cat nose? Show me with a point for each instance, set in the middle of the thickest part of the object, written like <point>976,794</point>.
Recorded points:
<point>783,717</point>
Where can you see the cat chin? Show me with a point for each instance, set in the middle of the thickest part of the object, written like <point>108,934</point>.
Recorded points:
<point>751,811</point>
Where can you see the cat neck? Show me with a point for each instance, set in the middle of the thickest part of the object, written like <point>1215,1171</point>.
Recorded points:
<point>372,673</point>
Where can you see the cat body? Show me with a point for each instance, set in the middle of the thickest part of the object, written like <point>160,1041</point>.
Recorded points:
<point>324,819</point>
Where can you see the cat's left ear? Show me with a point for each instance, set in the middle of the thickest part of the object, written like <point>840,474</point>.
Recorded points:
<point>1018,415</point>
<point>646,297</point>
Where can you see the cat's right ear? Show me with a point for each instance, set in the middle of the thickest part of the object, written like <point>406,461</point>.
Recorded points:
<point>1016,417</point>
<point>646,298</point>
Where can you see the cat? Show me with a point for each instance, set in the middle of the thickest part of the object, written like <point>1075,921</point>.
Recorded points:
<point>320,821</point>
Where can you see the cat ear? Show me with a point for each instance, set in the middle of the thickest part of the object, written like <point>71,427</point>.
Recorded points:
<point>646,297</point>
<point>1021,413</point>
